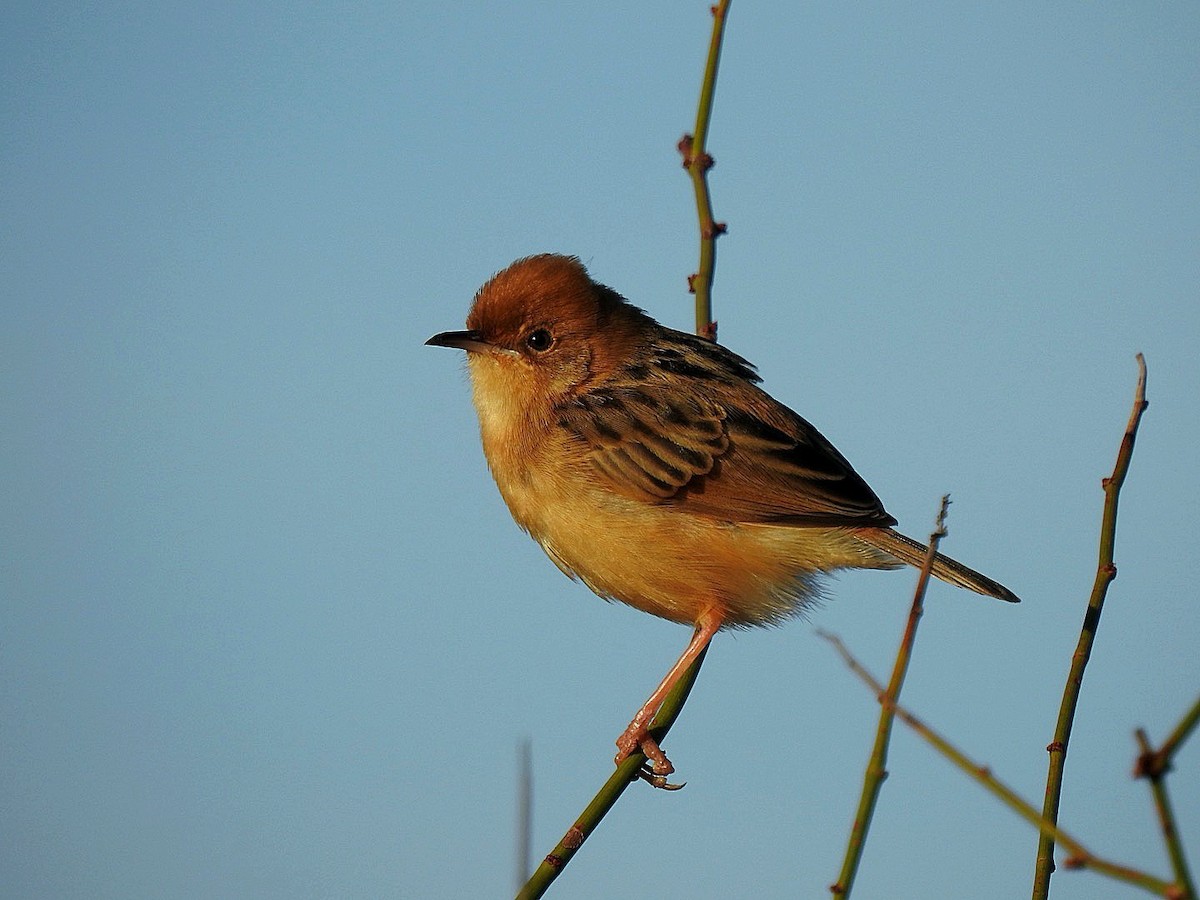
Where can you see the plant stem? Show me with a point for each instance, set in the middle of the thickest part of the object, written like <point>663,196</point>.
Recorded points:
<point>1153,765</point>
<point>876,770</point>
<point>697,161</point>
<point>1081,857</point>
<point>626,773</point>
<point>1106,571</point>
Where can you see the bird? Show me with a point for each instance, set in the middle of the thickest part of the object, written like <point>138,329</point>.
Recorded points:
<point>650,465</point>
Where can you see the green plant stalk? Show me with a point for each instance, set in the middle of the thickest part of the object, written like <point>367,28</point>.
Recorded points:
<point>626,773</point>
<point>1166,815</point>
<point>1106,571</point>
<point>697,162</point>
<point>876,770</point>
<point>1081,857</point>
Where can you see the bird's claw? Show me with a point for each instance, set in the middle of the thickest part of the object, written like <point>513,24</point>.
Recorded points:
<point>652,778</point>
<point>656,768</point>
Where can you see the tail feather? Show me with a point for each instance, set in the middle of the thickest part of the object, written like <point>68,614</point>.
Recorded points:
<point>949,570</point>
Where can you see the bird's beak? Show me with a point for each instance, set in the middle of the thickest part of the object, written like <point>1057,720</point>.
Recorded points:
<point>471,341</point>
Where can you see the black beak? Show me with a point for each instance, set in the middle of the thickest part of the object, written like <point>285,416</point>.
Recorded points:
<point>460,340</point>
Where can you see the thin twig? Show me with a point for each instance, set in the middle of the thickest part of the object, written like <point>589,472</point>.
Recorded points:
<point>626,773</point>
<point>876,770</point>
<point>1081,857</point>
<point>1154,765</point>
<point>1106,571</point>
<point>697,161</point>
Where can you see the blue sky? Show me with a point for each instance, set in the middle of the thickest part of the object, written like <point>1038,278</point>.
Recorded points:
<point>268,630</point>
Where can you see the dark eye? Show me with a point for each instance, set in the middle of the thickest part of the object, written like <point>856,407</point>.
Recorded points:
<point>539,340</point>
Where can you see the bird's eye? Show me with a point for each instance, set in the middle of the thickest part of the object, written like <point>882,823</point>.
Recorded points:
<point>539,340</point>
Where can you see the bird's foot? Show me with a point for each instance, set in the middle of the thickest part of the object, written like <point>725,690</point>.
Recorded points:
<point>657,767</point>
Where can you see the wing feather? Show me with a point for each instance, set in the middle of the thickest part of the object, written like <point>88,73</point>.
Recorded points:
<point>723,448</point>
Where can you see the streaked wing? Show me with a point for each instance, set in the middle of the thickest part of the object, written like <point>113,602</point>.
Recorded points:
<point>722,449</point>
<point>645,444</point>
<point>780,469</point>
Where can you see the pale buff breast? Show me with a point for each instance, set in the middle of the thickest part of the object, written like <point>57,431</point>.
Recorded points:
<point>674,565</point>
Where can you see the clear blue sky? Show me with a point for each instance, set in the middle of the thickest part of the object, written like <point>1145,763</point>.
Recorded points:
<point>266,628</point>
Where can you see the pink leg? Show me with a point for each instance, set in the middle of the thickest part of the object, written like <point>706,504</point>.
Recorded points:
<point>637,735</point>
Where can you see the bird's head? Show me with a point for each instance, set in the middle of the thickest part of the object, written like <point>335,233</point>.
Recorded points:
<point>541,330</point>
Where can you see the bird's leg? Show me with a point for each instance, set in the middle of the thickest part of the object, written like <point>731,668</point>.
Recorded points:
<point>637,735</point>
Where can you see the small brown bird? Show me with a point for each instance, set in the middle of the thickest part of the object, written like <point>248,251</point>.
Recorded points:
<point>649,464</point>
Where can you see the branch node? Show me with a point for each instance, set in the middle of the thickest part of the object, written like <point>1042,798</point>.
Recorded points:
<point>685,149</point>
<point>1151,764</point>
<point>702,161</point>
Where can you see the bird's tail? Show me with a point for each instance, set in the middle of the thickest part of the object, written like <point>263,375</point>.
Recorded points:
<point>949,570</point>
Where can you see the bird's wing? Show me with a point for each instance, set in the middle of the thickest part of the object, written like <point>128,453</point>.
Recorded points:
<point>736,456</point>
<point>645,444</point>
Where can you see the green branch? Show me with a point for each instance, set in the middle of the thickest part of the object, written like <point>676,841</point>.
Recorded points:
<point>1081,857</point>
<point>1106,571</point>
<point>876,770</point>
<point>1154,765</point>
<point>626,773</point>
<point>697,161</point>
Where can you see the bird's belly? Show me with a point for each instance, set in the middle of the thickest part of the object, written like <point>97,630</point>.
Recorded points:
<point>675,565</point>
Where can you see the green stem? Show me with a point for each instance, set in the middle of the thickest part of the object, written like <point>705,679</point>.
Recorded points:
<point>1106,571</point>
<point>697,161</point>
<point>876,770</point>
<point>1080,857</point>
<point>1154,766</point>
<point>626,773</point>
